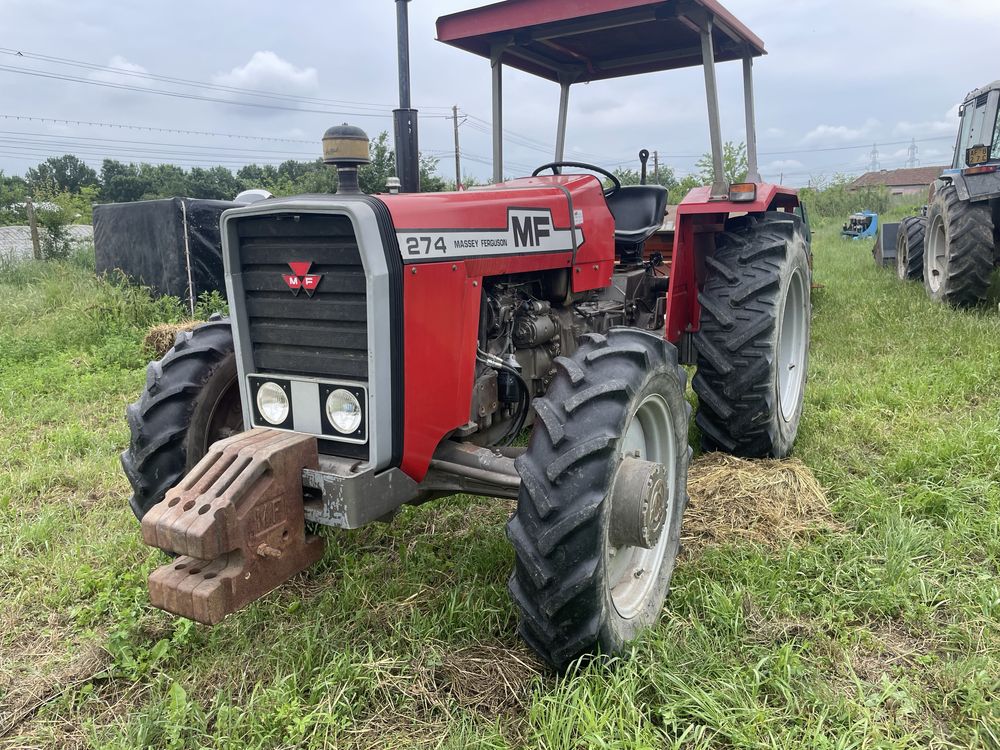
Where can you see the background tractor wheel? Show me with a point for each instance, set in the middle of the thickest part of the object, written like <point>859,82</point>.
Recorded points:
<point>603,489</point>
<point>753,345</point>
<point>958,249</point>
<point>191,399</point>
<point>910,248</point>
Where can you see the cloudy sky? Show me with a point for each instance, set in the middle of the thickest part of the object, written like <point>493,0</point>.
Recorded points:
<point>840,76</point>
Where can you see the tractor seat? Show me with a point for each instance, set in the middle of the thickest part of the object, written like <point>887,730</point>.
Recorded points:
<point>638,212</point>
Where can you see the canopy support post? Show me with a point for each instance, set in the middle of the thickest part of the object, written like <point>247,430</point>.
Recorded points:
<point>564,84</point>
<point>496,61</point>
<point>720,188</point>
<point>753,170</point>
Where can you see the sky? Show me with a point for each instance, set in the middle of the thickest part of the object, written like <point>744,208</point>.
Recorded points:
<point>840,76</point>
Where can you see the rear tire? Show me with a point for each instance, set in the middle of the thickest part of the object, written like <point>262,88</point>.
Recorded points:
<point>958,251</point>
<point>753,343</point>
<point>191,399</point>
<point>910,248</point>
<point>577,592</point>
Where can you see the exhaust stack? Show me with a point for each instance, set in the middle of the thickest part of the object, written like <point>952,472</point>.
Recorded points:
<point>405,118</point>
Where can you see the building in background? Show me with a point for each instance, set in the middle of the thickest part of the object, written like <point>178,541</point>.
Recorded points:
<point>913,181</point>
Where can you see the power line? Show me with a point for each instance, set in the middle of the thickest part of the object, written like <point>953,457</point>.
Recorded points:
<point>181,95</point>
<point>153,129</point>
<point>193,83</point>
<point>62,138</point>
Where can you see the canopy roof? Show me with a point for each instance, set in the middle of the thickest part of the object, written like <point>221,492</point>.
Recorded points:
<point>591,40</point>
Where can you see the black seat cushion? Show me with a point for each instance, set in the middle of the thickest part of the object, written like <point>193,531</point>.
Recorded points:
<point>638,212</point>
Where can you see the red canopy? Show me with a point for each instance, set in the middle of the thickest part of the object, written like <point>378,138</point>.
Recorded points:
<point>590,40</point>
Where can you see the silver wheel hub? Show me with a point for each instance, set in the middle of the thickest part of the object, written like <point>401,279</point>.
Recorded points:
<point>639,503</point>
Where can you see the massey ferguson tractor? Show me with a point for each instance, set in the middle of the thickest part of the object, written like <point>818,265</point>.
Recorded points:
<point>391,349</point>
<point>954,248</point>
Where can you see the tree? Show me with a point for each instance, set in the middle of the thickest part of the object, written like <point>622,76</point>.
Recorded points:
<point>217,183</point>
<point>61,174</point>
<point>734,164</point>
<point>664,176</point>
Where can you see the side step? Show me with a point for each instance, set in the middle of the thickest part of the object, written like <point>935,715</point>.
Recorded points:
<point>237,523</point>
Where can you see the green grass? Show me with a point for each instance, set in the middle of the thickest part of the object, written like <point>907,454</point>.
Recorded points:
<point>885,636</point>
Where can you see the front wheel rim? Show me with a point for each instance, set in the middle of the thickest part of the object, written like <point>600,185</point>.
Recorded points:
<point>634,571</point>
<point>792,344</point>
<point>937,255</point>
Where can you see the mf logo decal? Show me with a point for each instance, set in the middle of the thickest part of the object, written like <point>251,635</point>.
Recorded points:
<point>528,230</point>
<point>300,278</point>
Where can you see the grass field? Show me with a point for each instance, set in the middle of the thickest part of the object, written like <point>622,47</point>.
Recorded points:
<point>883,635</point>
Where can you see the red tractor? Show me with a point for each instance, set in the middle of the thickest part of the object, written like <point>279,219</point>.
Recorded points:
<point>389,350</point>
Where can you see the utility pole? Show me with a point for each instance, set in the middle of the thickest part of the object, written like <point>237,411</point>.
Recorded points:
<point>458,152</point>
<point>36,247</point>
<point>656,167</point>
<point>912,160</point>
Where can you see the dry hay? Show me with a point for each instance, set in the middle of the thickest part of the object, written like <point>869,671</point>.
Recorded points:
<point>766,502</point>
<point>161,337</point>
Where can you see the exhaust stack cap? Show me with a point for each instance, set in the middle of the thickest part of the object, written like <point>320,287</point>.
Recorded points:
<point>393,185</point>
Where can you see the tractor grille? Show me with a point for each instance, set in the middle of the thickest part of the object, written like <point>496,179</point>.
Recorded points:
<point>325,335</point>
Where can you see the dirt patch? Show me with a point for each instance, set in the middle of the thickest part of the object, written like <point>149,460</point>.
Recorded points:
<point>489,679</point>
<point>160,338</point>
<point>767,502</point>
<point>889,649</point>
<point>23,698</point>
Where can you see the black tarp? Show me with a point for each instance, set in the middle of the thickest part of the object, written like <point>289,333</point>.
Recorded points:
<point>146,241</point>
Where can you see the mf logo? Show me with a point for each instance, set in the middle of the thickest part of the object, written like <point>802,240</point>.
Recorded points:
<point>530,229</point>
<point>300,278</point>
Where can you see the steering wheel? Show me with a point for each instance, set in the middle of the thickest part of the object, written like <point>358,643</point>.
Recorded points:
<point>555,166</point>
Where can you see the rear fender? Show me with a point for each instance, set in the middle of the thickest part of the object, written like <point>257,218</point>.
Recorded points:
<point>698,221</point>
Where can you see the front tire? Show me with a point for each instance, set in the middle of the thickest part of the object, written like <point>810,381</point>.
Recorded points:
<point>191,399</point>
<point>753,343</point>
<point>910,248</point>
<point>580,589</point>
<point>958,254</point>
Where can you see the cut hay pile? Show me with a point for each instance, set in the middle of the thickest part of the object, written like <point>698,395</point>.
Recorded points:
<point>161,337</point>
<point>770,503</point>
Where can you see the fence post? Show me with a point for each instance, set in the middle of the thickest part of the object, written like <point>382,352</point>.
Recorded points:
<point>36,247</point>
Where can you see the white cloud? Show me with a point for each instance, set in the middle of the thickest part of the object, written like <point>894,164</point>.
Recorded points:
<point>839,133</point>
<point>266,71</point>
<point>774,133</point>
<point>119,63</point>
<point>782,165</point>
<point>947,125</point>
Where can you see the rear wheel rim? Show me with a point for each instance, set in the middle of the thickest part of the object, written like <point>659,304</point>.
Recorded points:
<point>792,342</point>
<point>225,419</point>
<point>634,571</point>
<point>937,254</point>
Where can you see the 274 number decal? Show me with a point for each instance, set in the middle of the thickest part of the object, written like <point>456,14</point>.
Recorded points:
<point>422,245</point>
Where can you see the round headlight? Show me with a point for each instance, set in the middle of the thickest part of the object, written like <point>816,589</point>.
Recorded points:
<point>344,411</point>
<point>272,403</point>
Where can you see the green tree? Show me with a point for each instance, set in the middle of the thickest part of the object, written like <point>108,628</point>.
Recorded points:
<point>61,174</point>
<point>734,164</point>
<point>13,191</point>
<point>664,176</point>
<point>216,183</point>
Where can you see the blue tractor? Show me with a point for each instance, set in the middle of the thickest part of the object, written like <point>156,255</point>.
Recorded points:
<point>861,225</point>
